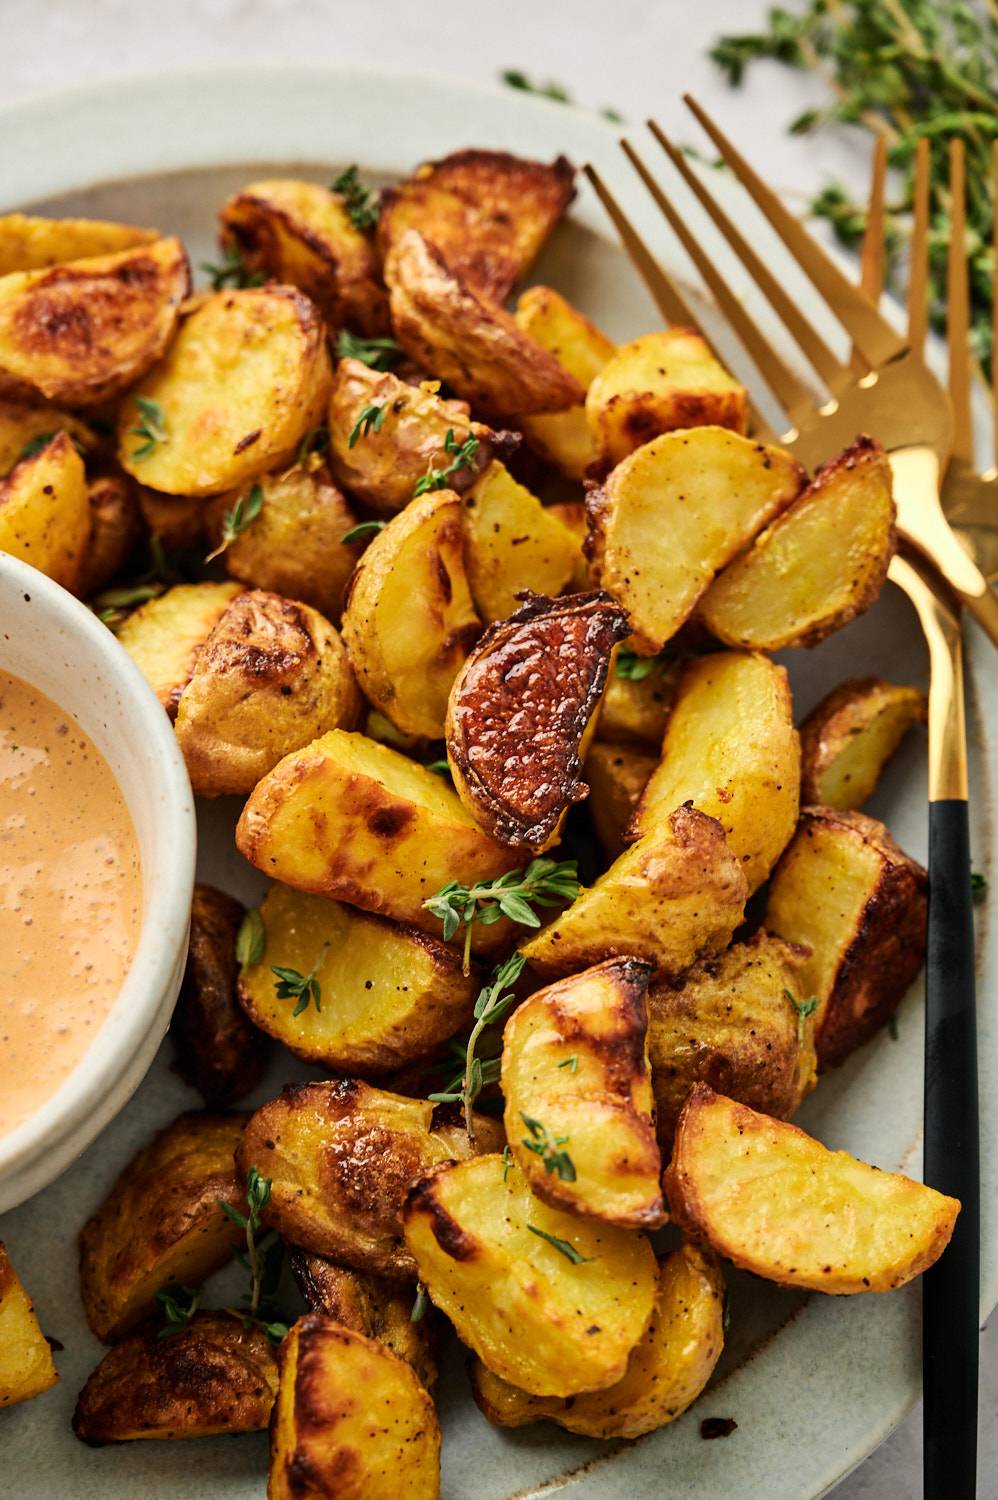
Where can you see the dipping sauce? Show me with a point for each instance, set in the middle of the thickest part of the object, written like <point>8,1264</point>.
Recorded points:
<point>70,896</point>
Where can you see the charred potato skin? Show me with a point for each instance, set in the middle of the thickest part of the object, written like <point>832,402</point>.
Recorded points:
<point>533,682</point>
<point>372,1305</point>
<point>864,715</point>
<point>214,1376</point>
<point>220,1053</point>
<point>26,1366</point>
<point>161,1221</point>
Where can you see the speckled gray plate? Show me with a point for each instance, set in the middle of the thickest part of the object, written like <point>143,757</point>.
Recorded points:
<point>813,1383</point>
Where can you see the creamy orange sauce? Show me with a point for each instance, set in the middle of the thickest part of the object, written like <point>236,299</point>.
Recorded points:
<point>70,896</point>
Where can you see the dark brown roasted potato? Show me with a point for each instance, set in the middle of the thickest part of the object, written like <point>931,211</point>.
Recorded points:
<point>114,526</point>
<point>519,708</point>
<point>175,521</point>
<point>372,1305</point>
<point>214,1376</point>
<point>848,738</point>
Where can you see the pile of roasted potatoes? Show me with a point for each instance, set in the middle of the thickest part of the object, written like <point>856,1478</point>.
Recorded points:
<point>415,571</point>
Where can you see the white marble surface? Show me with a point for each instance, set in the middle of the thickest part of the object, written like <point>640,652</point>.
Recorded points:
<point>636,55</point>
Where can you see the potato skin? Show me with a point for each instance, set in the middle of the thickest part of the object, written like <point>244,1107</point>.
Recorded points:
<point>219,1052</point>
<point>114,527</point>
<point>519,708</point>
<point>30,243</point>
<point>45,513</point>
<point>341,1156</point>
<point>847,892</point>
<point>728,1023</point>
<point>848,738</point>
<point>26,1365</point>
<point>161,1221</point>
<point>351,1420</point>
<point>372,1305</point>
<point>617,776</point>
<point>272,675</point>
<point>165,637</point>
<point>214,1376</point>
<point>775,1202</point>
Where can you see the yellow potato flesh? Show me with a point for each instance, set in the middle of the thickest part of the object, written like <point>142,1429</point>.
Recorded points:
<point>513,544</point>
<point>45,512</point>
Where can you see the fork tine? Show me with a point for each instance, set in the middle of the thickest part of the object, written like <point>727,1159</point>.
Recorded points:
<point>873,336</point>
<point>788,389</point>
<point>918,270</point>
<point>994,325</point>
<point>664,293</point>
<point>958,307</point>
<point>835,374</point>
<point>872,258</point>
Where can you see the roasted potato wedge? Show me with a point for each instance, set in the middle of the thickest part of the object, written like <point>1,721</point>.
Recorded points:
<point>848,738</point>
<point>577,1086</point>
<point>815,567</point>
<point>355,820</point>
<point>848,894</point>
<point>656,383</point>
<point>731,748</point>
<point>552,1302</point>
<point>81,332</point>
<point>391,995</point>
<point>639,695</point>
<point>779,1204</point>
<point>25,424</point>
<point>272,675</point>
<point>29,243</point>
<point>372,1305</point>
<point>295,545</point>
<point>665,1374</point>
<point>382,461</point>
<point>245,379</point>
<point>572,515</point>
<point>563,438</point>
<point>301,234</point>
<point>341,1156</point>
<point>674,513</point>
<point>518,711</point>
<point>161,1221</point>
<point>26,1365</point>
<point>514,544</point>
<point>675,894</point>
<point>45,512</point>
<point>467,340</point>
<point>728,1023</point>
<point>617,776</point>
<point>177,523</point>
<point>114,528</point>
<point>408,619</point>
<point>487,213</point>
<point>213,1377</point>
<point>219,1052</point>
<point>351,1420</point>
<point>165,637</point>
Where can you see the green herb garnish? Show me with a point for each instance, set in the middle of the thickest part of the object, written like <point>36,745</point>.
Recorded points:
<point>978,887</point>
<point>251,939</point>
<point>420,1305</point>
<point>804,1008</point>
<point>439,767</point>
<point>892,1028</point>
<point>231,270</point>
<point>562,1246</point>
<point>545,882</point>
<point>377,354</point>
<point>494,1000</point>
<point>152,427</point>
<point>515,78</point>
<point>635,668</point>
<point>113,606</point>
<point>178,1304</point>
<point>463,456</point>
<point>371,416</point>
<point>262,1262</point>
<point>571,1063</point>
<point>42,439</point>
<point>546,1147</point>
<point>291,985</point>
<point>363,529</point>
<point>236,520</point>
<point>507,1162</point>
<point>316,440</point>
<point>361,202</point>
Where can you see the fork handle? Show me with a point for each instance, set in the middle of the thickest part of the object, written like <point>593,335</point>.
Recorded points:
<point>984,608</point>
<point>951,1289</point>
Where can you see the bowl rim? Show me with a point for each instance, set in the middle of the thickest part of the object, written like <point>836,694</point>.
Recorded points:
<point>167,889</point>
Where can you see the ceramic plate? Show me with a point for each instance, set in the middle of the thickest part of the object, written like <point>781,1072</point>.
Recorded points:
<point>814,1384</point>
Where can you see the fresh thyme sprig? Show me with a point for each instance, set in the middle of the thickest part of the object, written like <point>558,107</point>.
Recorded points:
<point>251,939</point>
<point>542,1144</point>
<point>463,455</point>
<point>236,520</point>
<point>362,530</point>
<point>571,1063</point>
<point>507,1162</point>
<point>316,440</point>
<point>377,354</point>
<point>545,882</point>
<point>361,202</point>
<point>635,668</point>
<point>562,1246</point>
<point>492,1004</point>
<point>515,78</point>
<point>305,988</point>
<point>41,440</point>
<point>113,606</point>
<point>263,1262</point>
<point>420,1304</point>
<point>804,1008</point>
<point>231,270</point>
<point>371,417</point>
<point>178,1304</point>
<point>439,767</point>
<point>151,427</point>
<point>978,887</point>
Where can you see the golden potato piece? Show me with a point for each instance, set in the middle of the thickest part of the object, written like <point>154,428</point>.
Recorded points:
<point>28,425</point>
<point>408,619</point>
<point>213,1377</point>
<point>470,342</point>
<point>779,1204</point>
<point>572,515</point>
<point>272,675</point>
<point>220,1053</point>
<point>657,383</point>
<point>563,437</point>
<point>165,637</point>
<point>45,512</point>
<point>552,1302</point>
<point>848,738</point>
<point>672,514</point>
<point>26,1365</point>
<point>295,545</point>
<point>114,527</point>
<point>818,565</point>
<point>847,893</point>
<point>83,331</point>
<point>341,1156</point>
<point>30,243</point>
<point>351,1420</point>
<point>577,1086</point>
<point>732,750</point>
<point>640,692</point>
<point>514,544</point>
<point>355,820</point>
<point>177,523</point>
<point>245,379</point>
<point>665,1374</point>
<point>487,213</point>
<point>729,1023</point>
<point>301,234</point>
<point>518,711</point>
<point>617,776</point>
<point>381,457</point>
<point>161,1222</point>
<point>372,1305</point>
<point>391,995</point>
<point>678,892</point>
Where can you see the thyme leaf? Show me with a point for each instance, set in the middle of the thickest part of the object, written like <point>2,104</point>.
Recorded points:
<point>545,882</point>
<point>236,520</point>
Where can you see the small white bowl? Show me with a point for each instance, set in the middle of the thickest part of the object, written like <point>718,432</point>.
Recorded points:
<point>54,642</point>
